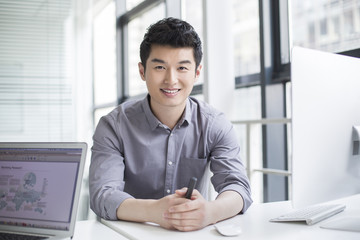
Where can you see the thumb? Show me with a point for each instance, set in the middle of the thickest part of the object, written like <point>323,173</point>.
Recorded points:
<point>181,192</point>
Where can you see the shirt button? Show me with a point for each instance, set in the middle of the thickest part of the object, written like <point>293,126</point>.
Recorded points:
<point>171,134</point>
<point>168,191</point>
<point>170,162</point>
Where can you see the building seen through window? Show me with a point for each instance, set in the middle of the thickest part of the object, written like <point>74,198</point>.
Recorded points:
<point>328,25</point>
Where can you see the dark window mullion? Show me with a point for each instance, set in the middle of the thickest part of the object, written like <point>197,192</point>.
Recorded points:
<point>274,140</point>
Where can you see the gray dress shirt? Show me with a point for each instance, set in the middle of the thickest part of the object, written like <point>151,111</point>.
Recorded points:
<point>135,156</point>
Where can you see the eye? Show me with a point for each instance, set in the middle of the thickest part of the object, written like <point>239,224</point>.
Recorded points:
<point>183,68</point>
<point>159,67</point>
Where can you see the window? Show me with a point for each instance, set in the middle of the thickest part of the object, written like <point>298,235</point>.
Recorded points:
<point>323,27</point>
<point>247,69</point>
<point>261,58</point>
<point>130,4</point>
<point>37,71</point>
<point>312,21</point>
<point>246,37</point>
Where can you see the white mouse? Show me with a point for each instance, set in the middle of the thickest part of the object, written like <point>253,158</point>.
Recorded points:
<point>228,230</point>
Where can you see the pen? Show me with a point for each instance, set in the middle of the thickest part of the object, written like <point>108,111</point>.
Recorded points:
<point>191,186</point>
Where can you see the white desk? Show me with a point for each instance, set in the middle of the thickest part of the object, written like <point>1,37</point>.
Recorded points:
<point>255,225</point>
<point>95,230</point>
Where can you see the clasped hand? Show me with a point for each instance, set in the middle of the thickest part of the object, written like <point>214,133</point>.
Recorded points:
<point>177,212</point>
<point>184,214</point>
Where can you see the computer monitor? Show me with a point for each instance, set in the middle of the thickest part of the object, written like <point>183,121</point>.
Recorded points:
<point>325,107</point>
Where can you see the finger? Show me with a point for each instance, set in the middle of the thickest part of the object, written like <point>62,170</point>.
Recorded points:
<point>185,224</point>
<point>176,215</point>
<point>195,195</point>
<point>181,211</point>
<point>175,201</point>
<point>181,192</point>
<point>184,206</point>
<point>180,219</point>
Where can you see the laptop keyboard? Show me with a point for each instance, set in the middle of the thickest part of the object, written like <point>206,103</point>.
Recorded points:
<point>11,236</point>
<point>311,214</point>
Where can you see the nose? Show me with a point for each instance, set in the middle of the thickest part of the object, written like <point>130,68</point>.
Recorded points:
<point>171,76</point>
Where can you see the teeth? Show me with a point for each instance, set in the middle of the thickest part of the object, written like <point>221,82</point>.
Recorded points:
<point>170,91</point>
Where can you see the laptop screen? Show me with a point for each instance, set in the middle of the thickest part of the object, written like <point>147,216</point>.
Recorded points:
<point>37,186</point>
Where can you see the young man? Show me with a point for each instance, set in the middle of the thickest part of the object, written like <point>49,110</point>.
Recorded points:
<point>145,152</point>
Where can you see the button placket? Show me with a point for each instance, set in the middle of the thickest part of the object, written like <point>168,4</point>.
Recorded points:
<point>170,163</point>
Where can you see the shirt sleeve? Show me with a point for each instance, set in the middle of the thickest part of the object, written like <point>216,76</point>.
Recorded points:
<point>106,174</point>
<point>228,170</point>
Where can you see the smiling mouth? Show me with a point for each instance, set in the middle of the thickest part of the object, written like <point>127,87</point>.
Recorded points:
<point>170,91</point>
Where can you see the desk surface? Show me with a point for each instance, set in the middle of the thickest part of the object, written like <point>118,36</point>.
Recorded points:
<point>255,225</point>
<point>95,230</point>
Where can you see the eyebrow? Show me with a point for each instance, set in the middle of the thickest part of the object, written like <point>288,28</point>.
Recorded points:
<point>156,60</point>
<point>185,62</point>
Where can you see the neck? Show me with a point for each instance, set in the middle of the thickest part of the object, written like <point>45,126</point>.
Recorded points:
<point>168,115</point>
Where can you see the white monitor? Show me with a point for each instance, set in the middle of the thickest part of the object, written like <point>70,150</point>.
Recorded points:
<point>325,107</point>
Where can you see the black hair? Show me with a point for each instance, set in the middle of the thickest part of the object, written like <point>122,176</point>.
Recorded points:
<point>173,32</point>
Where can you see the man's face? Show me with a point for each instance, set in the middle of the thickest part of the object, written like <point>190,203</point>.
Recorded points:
<point>170,76</point>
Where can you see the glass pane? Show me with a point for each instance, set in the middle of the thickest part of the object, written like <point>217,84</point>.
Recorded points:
<point>100,113</point>
<point>284,31</point>
<point>193,14</point>
<point>136,31</point>
<point>246,103</point>
<point>105,56</point>
<point>331,26</point>
<point>130,4</point>
<point>247,107</point>
<point>246,37</point>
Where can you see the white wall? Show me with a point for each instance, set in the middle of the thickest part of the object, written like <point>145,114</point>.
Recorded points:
<point>84,99</point>
<point>218,67</point>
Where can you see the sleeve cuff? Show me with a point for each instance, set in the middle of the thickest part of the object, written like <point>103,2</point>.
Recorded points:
<point>243,193</point>
<point>111,204</point>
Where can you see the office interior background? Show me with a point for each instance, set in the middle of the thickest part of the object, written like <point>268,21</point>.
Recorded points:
<point>66,63</point>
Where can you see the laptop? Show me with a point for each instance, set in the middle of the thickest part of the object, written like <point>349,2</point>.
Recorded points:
<point>40,188</point>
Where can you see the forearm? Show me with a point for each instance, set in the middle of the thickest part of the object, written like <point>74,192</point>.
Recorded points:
<point>137,210</point>
<point>226,205</point>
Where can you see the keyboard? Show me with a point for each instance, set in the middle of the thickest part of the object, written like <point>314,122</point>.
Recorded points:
<point>13,236</point>
<point>310,215</point>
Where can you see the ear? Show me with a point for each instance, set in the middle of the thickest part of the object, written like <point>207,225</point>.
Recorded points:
<point>141,71</point>
<point>197,73</point>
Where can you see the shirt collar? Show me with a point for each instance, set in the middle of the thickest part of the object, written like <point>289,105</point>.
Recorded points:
<point>186,118</point>
<point>154,122</point>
